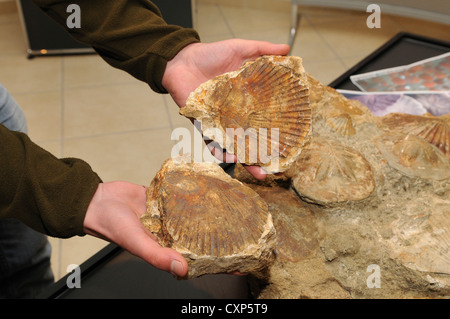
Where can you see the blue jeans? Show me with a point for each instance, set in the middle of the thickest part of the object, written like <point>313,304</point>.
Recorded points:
<point>24,253</point>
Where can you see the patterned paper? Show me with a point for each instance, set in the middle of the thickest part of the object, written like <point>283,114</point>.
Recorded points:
<point>415,103</point>
<point>432,74</point>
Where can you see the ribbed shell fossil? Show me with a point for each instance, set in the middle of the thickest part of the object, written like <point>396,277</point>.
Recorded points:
<point>435,130</point>
<point>329,172</point>
<point>413,156</point>
<point>328,104</point>
<point>428,230</point>
<point>342,124</point>
<point>295,224</point>
<point>217,223</point>
<point>268,93</point>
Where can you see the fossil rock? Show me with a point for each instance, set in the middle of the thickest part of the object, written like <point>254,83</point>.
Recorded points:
<point>217,223</point>
<point>325,252</point>
<point>268,93</point>
<point>364,211</point>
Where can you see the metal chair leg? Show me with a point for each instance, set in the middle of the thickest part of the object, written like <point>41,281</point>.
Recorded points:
<point>294,23</point>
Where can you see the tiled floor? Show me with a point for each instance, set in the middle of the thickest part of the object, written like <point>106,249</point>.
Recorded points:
<point>79,106</point>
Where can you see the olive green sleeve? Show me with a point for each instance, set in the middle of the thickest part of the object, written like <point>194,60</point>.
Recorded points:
<point>48,194</point>
<point>128,34</point>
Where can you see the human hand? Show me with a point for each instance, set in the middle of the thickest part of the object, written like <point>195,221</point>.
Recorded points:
<point>113,214</point>
<point>199,62</point>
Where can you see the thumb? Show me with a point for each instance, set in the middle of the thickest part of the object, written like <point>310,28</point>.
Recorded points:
<point>259,48</point>
<point>163,258</point>
<point>267,48</point>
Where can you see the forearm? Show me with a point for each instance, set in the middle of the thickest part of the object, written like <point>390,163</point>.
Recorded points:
<point>48,194</point>
<point>128,34</point>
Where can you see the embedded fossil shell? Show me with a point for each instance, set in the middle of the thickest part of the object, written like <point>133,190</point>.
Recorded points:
<point>413,156</point>
<point>217,223</point>
<point>266,101</point>
<point>327,103</point>
<point>329,172</point>
<point>435,130</point>
<point>342,124</point>
<point>422,240</point>
<point>296,227</point>
<point>336,103</point>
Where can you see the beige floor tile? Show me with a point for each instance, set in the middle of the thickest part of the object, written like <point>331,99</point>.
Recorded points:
<point>216,37</point>
<point>318,15</point>
<point>210,21</point>
<point>13,40</point>
<point>7,8</point>
<point>352,61</point>
<point>427,28</point>
<point>43,113</point>
<point>134,157</point>
<point>270,5</point>
<point>276,35</point>
<point>310,46</point>
<point>22,75</point>
<point>325,71</point>
<point>91,70</point>
<point>112,108</point>
<point>249,20</point>
<point>351,38</point>
<point>176,119</point>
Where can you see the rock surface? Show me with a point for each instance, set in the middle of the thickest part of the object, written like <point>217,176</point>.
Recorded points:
<point>393,242</point>
<point>363,212</point>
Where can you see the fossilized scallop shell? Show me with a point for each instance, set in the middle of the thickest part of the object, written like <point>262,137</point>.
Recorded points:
<point>421,239</point>
<point>435,130</point>
<point>329,172</point>
<point>342,124</point>
<point>268,93</point>
<point>217,223</point>
<point>296,226</point>
<point>413,156</point>
<point>329,103</point>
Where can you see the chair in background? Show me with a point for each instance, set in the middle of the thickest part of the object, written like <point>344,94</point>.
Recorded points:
<point>294,21</point>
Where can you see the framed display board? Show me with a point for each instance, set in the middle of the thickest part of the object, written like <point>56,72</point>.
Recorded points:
<point>46,37</point>
<point>404,48</point>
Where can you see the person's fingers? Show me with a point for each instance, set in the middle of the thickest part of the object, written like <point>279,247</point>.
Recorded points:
<point>167,259</point>
<point>273,49</point>
<point>254,49</point>
<point>256,171</point>
<point>220,153</point>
